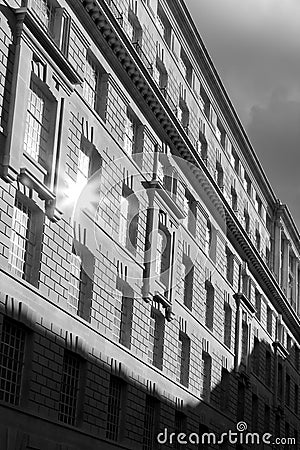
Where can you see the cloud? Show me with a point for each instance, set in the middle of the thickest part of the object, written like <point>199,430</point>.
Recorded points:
<point>275,134</point>
<point>255,46</point>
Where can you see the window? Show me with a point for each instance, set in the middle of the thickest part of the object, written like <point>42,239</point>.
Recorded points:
<point>180,427</point>
<point>245,339</point>
<point>256,356</point>
<point>187,67</point>
<point>229,265</point>
<point>12,352</point>
<point>188,287</point>
<point>258,204</point>
<point>91,82</point>
<point>45,11</point>
<point>25,240</point>
<point>183,358</point>
<point>258,304</point>
<point>247,184</point>
<point>188,273</point>
<point>287,389</point>
<point>160,74</point>
<point>171,182</point>
<point>246,284</point>
<point>257,239</point>
<point>240,413</point>
<point>224,389</point>
<point>209,304</point>
<point>163,251</point>
<point>234,199</point>
<point>190,210</point>
<point>136,32</point>
<point>163,25</point>
<point>203,146</point>
<point>69,389</point>
<point>129,135</point>
<point>123,318</point>
<point>19,238</point>
<point>179,113</point>
<point>74,281</point>
<point>133,134</point>
<point>156,338</point>
<point>82,168</point>
<point>159,252</point>
<point>128,223</point>
<point>235,161</point>
<point>246,221</point>
<point>183,114</point>
<point>124,208</point>
<point>116,389</point>
<point>55,23</point>
<point>268,369</point>
<point>81,276</point>
<point>219,174</point>
<point>206,376</point>
<point>208,237</point>
<point>254,418</point>
<point>269,254</point>
<point>269,320</point>
<point>290,293</point>
<point>213,118</point>
<point>39,125</point>
<point>151,421</point>
<point>227,324</point>
<point>89,161</point>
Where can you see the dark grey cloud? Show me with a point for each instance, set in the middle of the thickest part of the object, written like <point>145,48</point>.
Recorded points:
<point>255,46</point>
<point>275,133</point>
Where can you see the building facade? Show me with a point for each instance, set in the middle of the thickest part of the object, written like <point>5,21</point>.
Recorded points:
<point>149,276</point>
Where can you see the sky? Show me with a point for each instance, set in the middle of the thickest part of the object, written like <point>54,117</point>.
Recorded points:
<point>255,47</point>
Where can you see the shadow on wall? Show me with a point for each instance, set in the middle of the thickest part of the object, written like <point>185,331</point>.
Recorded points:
<point>65,398</point>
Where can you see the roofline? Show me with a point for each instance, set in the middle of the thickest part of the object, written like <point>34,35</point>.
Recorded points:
<point>223,92</point>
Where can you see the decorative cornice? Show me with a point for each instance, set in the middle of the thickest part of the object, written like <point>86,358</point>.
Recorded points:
<point>141,78</point>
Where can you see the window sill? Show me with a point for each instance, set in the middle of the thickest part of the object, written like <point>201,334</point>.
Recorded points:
<point>35,163</point>
<point>29,179</point>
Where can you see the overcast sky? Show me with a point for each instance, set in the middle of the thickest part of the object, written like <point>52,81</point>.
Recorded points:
<point>255,46</point>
